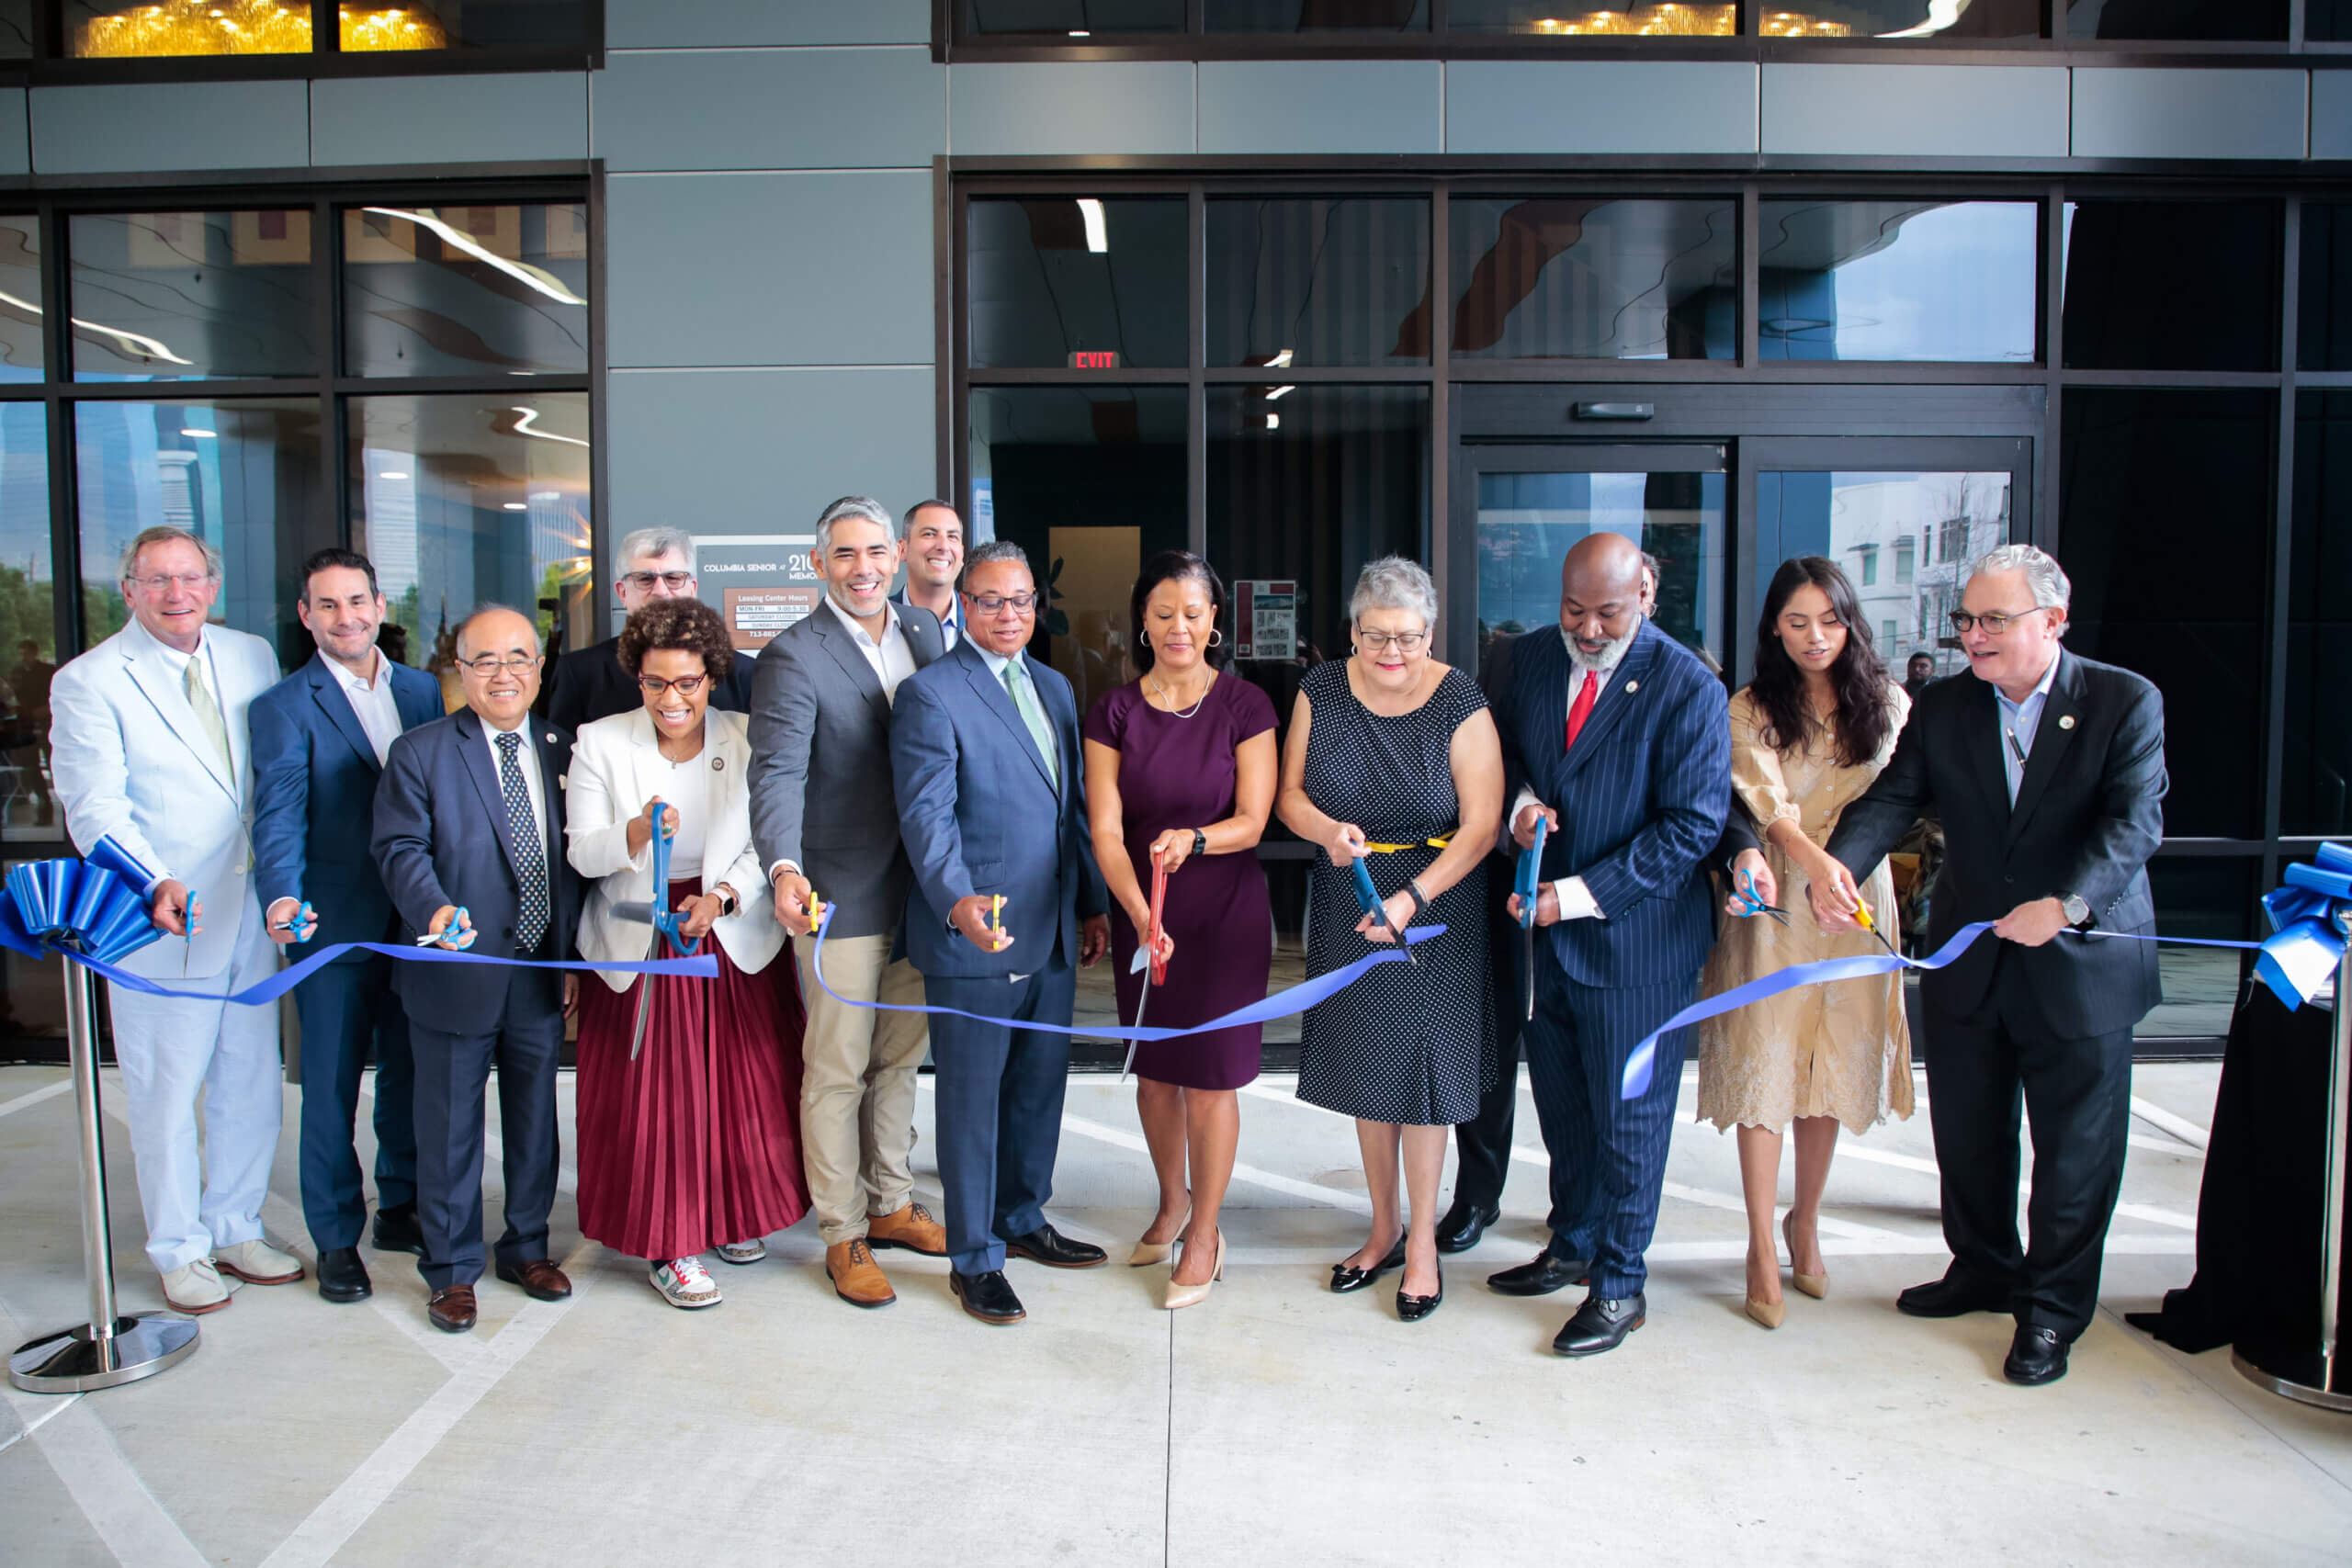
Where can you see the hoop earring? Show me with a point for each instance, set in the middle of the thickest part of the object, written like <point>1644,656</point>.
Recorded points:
<point>1216,637</point>
<point>1143,638</point>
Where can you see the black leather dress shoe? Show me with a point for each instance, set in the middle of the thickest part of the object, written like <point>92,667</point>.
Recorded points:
<point>342,1276</point>
<point>988,1297</point>
<point>397,1230</point>
<point>1049,1246</point>
<point>2036,1356</point>
<point>1949,1297</point>
<point>1412,1309</point>
<point>1540,1278</point>
<point>1462,1226</point>
<point>1601,1324</point>
<point>1344,1279</point>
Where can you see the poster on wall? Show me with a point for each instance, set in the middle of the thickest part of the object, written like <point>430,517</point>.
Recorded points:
<point>761,582</point>
<point>1267,611</point>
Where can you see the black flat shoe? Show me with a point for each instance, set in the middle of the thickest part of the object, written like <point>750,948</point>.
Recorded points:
<point>2036,1356</point>
<point>1049,1246</point>
<point>1949,1297</point>
<point>1540,1278</point>
<point>1344,1279</point>
<point>1462,1226</point>
<point>1412,1309</point>
<point>1601,1325</point>
<point>988,1297</point>
<point>397,1230</point>
<point>342,1276</point>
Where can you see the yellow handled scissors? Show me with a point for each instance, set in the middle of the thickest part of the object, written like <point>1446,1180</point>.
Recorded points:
<point>1444,841</point>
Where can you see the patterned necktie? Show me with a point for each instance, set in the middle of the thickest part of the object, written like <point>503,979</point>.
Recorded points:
<point>1016,681</point>
<point>530,850</point>
<point>1581,709</point>
<point>208,715</point>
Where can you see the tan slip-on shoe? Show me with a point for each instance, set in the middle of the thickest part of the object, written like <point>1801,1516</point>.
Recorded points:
<point>197,1288</point>
<point>856,1278</point>
<point>910,1228</point>
<point>258,1263</point>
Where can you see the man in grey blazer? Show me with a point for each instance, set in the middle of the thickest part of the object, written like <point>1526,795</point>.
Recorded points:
<point>825,822</point>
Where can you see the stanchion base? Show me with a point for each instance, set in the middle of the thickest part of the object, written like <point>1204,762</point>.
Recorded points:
<point>74,1360</point>
<point>2301,1378</point>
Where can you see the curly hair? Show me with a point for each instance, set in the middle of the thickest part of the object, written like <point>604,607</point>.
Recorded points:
<point>688,626</point>
<point>1864,711</point>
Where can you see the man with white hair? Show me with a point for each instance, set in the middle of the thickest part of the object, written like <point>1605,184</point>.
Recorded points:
<point>2048,773</point>
<point>589,683</point>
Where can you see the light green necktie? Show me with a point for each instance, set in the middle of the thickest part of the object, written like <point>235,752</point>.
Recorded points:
<point>208,714</point>
<point>1016,681</point>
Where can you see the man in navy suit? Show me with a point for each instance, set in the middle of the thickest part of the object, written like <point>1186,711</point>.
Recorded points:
<point>319,740</point>
<point>469,834</point>
<point>984,749</point>
<point>1618,736</point>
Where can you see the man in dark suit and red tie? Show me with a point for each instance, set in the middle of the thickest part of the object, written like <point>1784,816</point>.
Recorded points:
<point>2048,773</point>
<point>1619,737</point>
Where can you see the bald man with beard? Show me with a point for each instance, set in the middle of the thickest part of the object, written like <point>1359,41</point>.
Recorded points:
<point>1619,737</point>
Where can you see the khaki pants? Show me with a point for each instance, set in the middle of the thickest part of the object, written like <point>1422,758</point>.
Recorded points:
<point>857,1084</point>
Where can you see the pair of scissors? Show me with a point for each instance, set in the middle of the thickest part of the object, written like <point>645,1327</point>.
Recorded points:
<point>1444,841</point>
<point>1148,956</point>
<point>1753,902</point>
<point>1862,918</point>
<point>1369,897</point>
<point>1529,886</point>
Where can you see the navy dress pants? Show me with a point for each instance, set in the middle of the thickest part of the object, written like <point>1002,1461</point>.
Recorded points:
<point>997,1094</point>
<point>524,1042</point>
<point>346,1008</point>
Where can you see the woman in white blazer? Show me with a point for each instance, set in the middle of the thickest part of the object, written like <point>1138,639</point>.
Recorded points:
<point>688,1129</point>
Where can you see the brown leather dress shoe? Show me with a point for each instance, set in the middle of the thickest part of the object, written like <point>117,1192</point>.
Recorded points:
<point>857,1279</point>
<point>452,1309</point>
<point>541,1280</point>
<point>910,1228</point>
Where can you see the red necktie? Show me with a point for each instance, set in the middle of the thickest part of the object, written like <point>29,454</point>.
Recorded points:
<point>1581,709</point>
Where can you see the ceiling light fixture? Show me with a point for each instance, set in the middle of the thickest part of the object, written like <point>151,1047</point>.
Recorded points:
<point>391,474</point>
<point>200,435</point>
<point>516,506</point>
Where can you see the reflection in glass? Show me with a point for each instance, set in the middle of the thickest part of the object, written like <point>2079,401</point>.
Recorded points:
<point>186,296</point>
<point>1090,482</point>
<point>1904,18</point>
<point>466,24</point>
<point>20,339</point>
<point>1058,281</point>
<point>28,625</point>
<point>16,29</point>
<point>1902,540</point>
<point>1310,16</point>
<point>108,30</point>
<point>1898,280</point>
<point>2327,21</point>
<point>1528,523</point>
<point>2199,895</point>
<point>2177,19</point>
<point>2315,796</point>
<point>242,474</point>
<point>1319,280</point>
<point>2171,285</point>
<point>1569,18</point>
<point>2164,498</point>
<point>2325,319</point>
<point>461,498</point>
<point>1075,18</point>
<point>465,290</point>
<point>1585,277</point>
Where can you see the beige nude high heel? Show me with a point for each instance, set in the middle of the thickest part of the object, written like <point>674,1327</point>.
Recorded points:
<point>1189,1295</point>
<point>1769,1314</point>
<point>1148,1253</point>
<point>1814,1285</point>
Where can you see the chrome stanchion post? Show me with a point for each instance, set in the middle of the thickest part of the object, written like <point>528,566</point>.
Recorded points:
<point>110,1348</point>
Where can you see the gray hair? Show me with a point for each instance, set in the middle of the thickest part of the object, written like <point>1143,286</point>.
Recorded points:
<point>163,535</point>
<point>995,549</point>
<point>1391,582</point>
<point>864,508</point>
<point>653,543</point>
<point>2043,576</point>
<point>1649,564</point>
<point>490,608</point>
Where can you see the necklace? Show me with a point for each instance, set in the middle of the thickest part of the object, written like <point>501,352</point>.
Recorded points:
<point>1165,697</point>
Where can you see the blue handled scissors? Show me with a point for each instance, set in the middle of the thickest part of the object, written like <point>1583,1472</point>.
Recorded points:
<point>1754,902</point>
<point>1369,897</point>
<point>1529,884</point>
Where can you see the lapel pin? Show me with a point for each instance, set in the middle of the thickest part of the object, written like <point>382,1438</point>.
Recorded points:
<point>2066,721</point>
<point>719,764</point>
<point>1633,686</point>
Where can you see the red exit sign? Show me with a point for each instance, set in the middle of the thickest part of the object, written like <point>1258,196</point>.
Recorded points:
<point>1095,359</point>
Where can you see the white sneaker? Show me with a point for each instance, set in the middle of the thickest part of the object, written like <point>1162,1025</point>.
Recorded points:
<point>750,1251</point>
<point>683,1282</point>
<point>198,1288</point>
<point>258,1263</point>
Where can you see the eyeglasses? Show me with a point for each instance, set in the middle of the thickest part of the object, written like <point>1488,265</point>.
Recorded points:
<point>488,665</point>
<point>165,582</point>
<point>686,685</point>
<point>1403,642</point>
<point>1962,622</point>
<point>990,603</point>
<point>643,581</point>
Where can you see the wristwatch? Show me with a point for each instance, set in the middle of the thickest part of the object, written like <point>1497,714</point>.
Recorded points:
<point>2077,912</point>
<point>726,900</point>
<point>1200,841</point>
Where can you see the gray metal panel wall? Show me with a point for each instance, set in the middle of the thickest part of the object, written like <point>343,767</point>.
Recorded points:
<point>2132,113</point>
<point>523,118</point>
<point>1581,106</point>
<point>1982,111</point>
<point>2331,114</point>
<point>15,133</point>
<point>171,126</point>
<point>732,24</point>
<point>1131,106</point>
<point>1322,105</point>
<point>770,108</point>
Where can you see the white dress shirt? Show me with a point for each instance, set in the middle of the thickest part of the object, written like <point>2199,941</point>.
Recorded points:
<point>527,758</point>
<point>1577,902</point>
<point>2020,722</point>
<point>689,791</point>
<point>371,701</point>
<point>204,670</point>
<point>891,660</point>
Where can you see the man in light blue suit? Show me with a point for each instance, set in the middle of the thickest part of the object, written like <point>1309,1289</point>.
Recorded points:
<point>1619,737</point>
<point>984,749</point>
<point>319,740</point>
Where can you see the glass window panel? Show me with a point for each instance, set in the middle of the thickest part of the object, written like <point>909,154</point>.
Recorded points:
<point>466,290</point>
<point>28,624</point>
<point>1934,524</point>
<point>1576,18</point>
<point>2201,896</point>
<point>1898,280</point>
<point>111,29</point>
<point>2327,21</point>
<point>2177,19</point>
<point>461,498</point>
<point>243,474</point>
<point>21,338</point>
<point>2315,796</point>
<point>1904,18</point>
<point>192,296</point>
<point>16,29</point>
<point>2324,314</point>
<point>1074,17</point>
<point>1585,277</point>
<point>1090,482</point>
<point>1319,280</point>
<point>2172,284</point>
<point>1528,523</point>
<point>1309,16</point>
<point>1064,281</point>
<point>2148,481</point>
<point>464,24</point>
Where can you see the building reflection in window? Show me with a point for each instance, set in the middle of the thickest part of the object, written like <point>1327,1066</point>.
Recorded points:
<point>28,624</point>
<point>1898,280</point>
<point>465,290</point>
<point>1592,277</point>
<point>1319,280</point>
<point>22,353</point>
<point>1075,283</point>
<point>187,296</point>
<point>1529,522</point>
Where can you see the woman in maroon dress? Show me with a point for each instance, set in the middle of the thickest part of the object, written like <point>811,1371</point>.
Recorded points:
<point>1179,768</point>
<point>690,1138</point>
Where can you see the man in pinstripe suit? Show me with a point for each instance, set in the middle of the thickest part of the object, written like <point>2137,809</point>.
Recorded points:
<point>1619,736</point>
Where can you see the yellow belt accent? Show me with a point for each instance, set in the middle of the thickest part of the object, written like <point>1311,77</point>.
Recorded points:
<point>1446,842</point>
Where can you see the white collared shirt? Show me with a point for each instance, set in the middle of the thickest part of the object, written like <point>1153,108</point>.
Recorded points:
<point>527,758</point>
<point>1577,902</point>
<point>371,702</point>
<point>2023,721</point>
<point>891,660</point>
<point>204,668</point>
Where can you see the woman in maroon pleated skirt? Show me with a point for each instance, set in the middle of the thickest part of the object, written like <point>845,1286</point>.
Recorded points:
<point>688,1130</point>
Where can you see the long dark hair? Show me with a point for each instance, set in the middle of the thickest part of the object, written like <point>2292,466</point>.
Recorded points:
<point>1859,677</point>
<point>1180,566</point>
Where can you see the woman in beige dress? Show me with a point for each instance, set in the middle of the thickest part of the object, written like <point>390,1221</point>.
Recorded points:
<point>1808,735</point>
